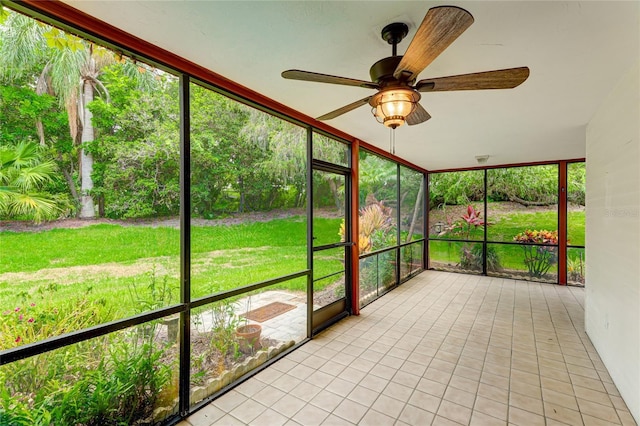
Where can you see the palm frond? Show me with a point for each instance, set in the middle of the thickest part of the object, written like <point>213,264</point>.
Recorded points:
<point>23,45</point>
<point>66,71</point>
<point>146,77</point>
<point>37,207</point>
<point>32,177</point>
<point>21,155</point>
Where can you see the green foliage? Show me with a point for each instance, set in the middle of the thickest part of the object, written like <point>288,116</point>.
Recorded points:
<point>537,184</point>
<point>155,295</point>
<point>378,178</point>
<point>455,188</point>
<point>471,258</point>
<point>525,185</point>
<point>31,322</point>
<point>576,183</point>
<point>115,382</point>
<point>241,159</point>
<point>576,268</point>
<point>61,40</point>
<point>3,14</point>
<point>21,107</point>
<point>23,178</point>
<point>136,150</point>
<point>330,150</point>
<point>411,203</point>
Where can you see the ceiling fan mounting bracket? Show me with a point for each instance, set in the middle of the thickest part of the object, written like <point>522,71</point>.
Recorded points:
<point>382,71</point>
<point>394,33</point>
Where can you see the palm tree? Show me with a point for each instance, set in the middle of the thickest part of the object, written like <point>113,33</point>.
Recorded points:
<point>22,176</point>
<point>67,67</point>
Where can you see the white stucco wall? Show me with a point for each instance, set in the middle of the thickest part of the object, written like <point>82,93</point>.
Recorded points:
<point>612,308</point>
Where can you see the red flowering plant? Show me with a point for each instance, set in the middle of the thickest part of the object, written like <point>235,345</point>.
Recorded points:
<point>29,322</point>
<point>16,322</point>
<point>465,228</point>
<point>471,221</point>
<point>539,251</point>
<point>471,254</point>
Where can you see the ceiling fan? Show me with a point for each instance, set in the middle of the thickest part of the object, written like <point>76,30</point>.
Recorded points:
<point>396,101</point>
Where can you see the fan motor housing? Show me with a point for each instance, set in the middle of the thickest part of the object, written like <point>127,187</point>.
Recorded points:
<point>382,71</point>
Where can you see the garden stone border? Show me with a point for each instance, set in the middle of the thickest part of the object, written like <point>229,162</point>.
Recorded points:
<point>212,385</point>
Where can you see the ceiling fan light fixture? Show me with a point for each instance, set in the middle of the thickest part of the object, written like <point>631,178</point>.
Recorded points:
<point>391,107</point>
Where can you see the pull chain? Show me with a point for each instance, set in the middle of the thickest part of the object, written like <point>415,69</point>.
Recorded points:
<point>392,140</point>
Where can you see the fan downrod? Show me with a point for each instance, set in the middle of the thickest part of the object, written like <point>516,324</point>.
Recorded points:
<point>394,33</point>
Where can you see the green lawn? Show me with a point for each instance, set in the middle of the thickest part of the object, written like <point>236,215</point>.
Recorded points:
<point>507,226</point>
<point>129,269</point>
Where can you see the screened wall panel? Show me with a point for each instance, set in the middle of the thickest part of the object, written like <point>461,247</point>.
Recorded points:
<point>232,337</point>
<point>391,221</point>
<point>412,259</point>
<point>456,205</point>
<point>330,150</point>
<point>520,236</point>
<point>411,205</point>
<point>526,262</point>
<point>248,180</point>
<point>378,183</point>
<point>522,198</point>
<point>120,169</point>
<point>576,205</point>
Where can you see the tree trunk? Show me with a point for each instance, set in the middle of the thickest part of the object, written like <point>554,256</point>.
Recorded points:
<point>416,208</point>
<point>41,88</point>
<point>69,178</point>
<point>87,208</point>
<point>526,203</point>
<point>333,185</point>
<point>241,187</point>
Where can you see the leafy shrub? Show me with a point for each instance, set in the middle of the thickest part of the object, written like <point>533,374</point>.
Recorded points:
<point>109,380</point>
<point>539,257</point>
<point>24,177</point>
<point>106,381</point>
<point>471,258</point>
<point>222,341</point>
<point>575,269</point>
<point>375,226</point>
<point>471,254</point>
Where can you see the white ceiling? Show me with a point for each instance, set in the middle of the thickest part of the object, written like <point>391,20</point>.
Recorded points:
<point>576,51</point>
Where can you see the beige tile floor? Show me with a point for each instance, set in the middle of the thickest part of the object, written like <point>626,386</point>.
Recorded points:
<point>442,349</point>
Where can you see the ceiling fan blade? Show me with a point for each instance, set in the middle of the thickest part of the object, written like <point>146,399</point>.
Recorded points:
<point>325,78</point>
<point>439,28</point>
<point>344,109</point>
<point>498,79</point>
<point>418,115</point>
